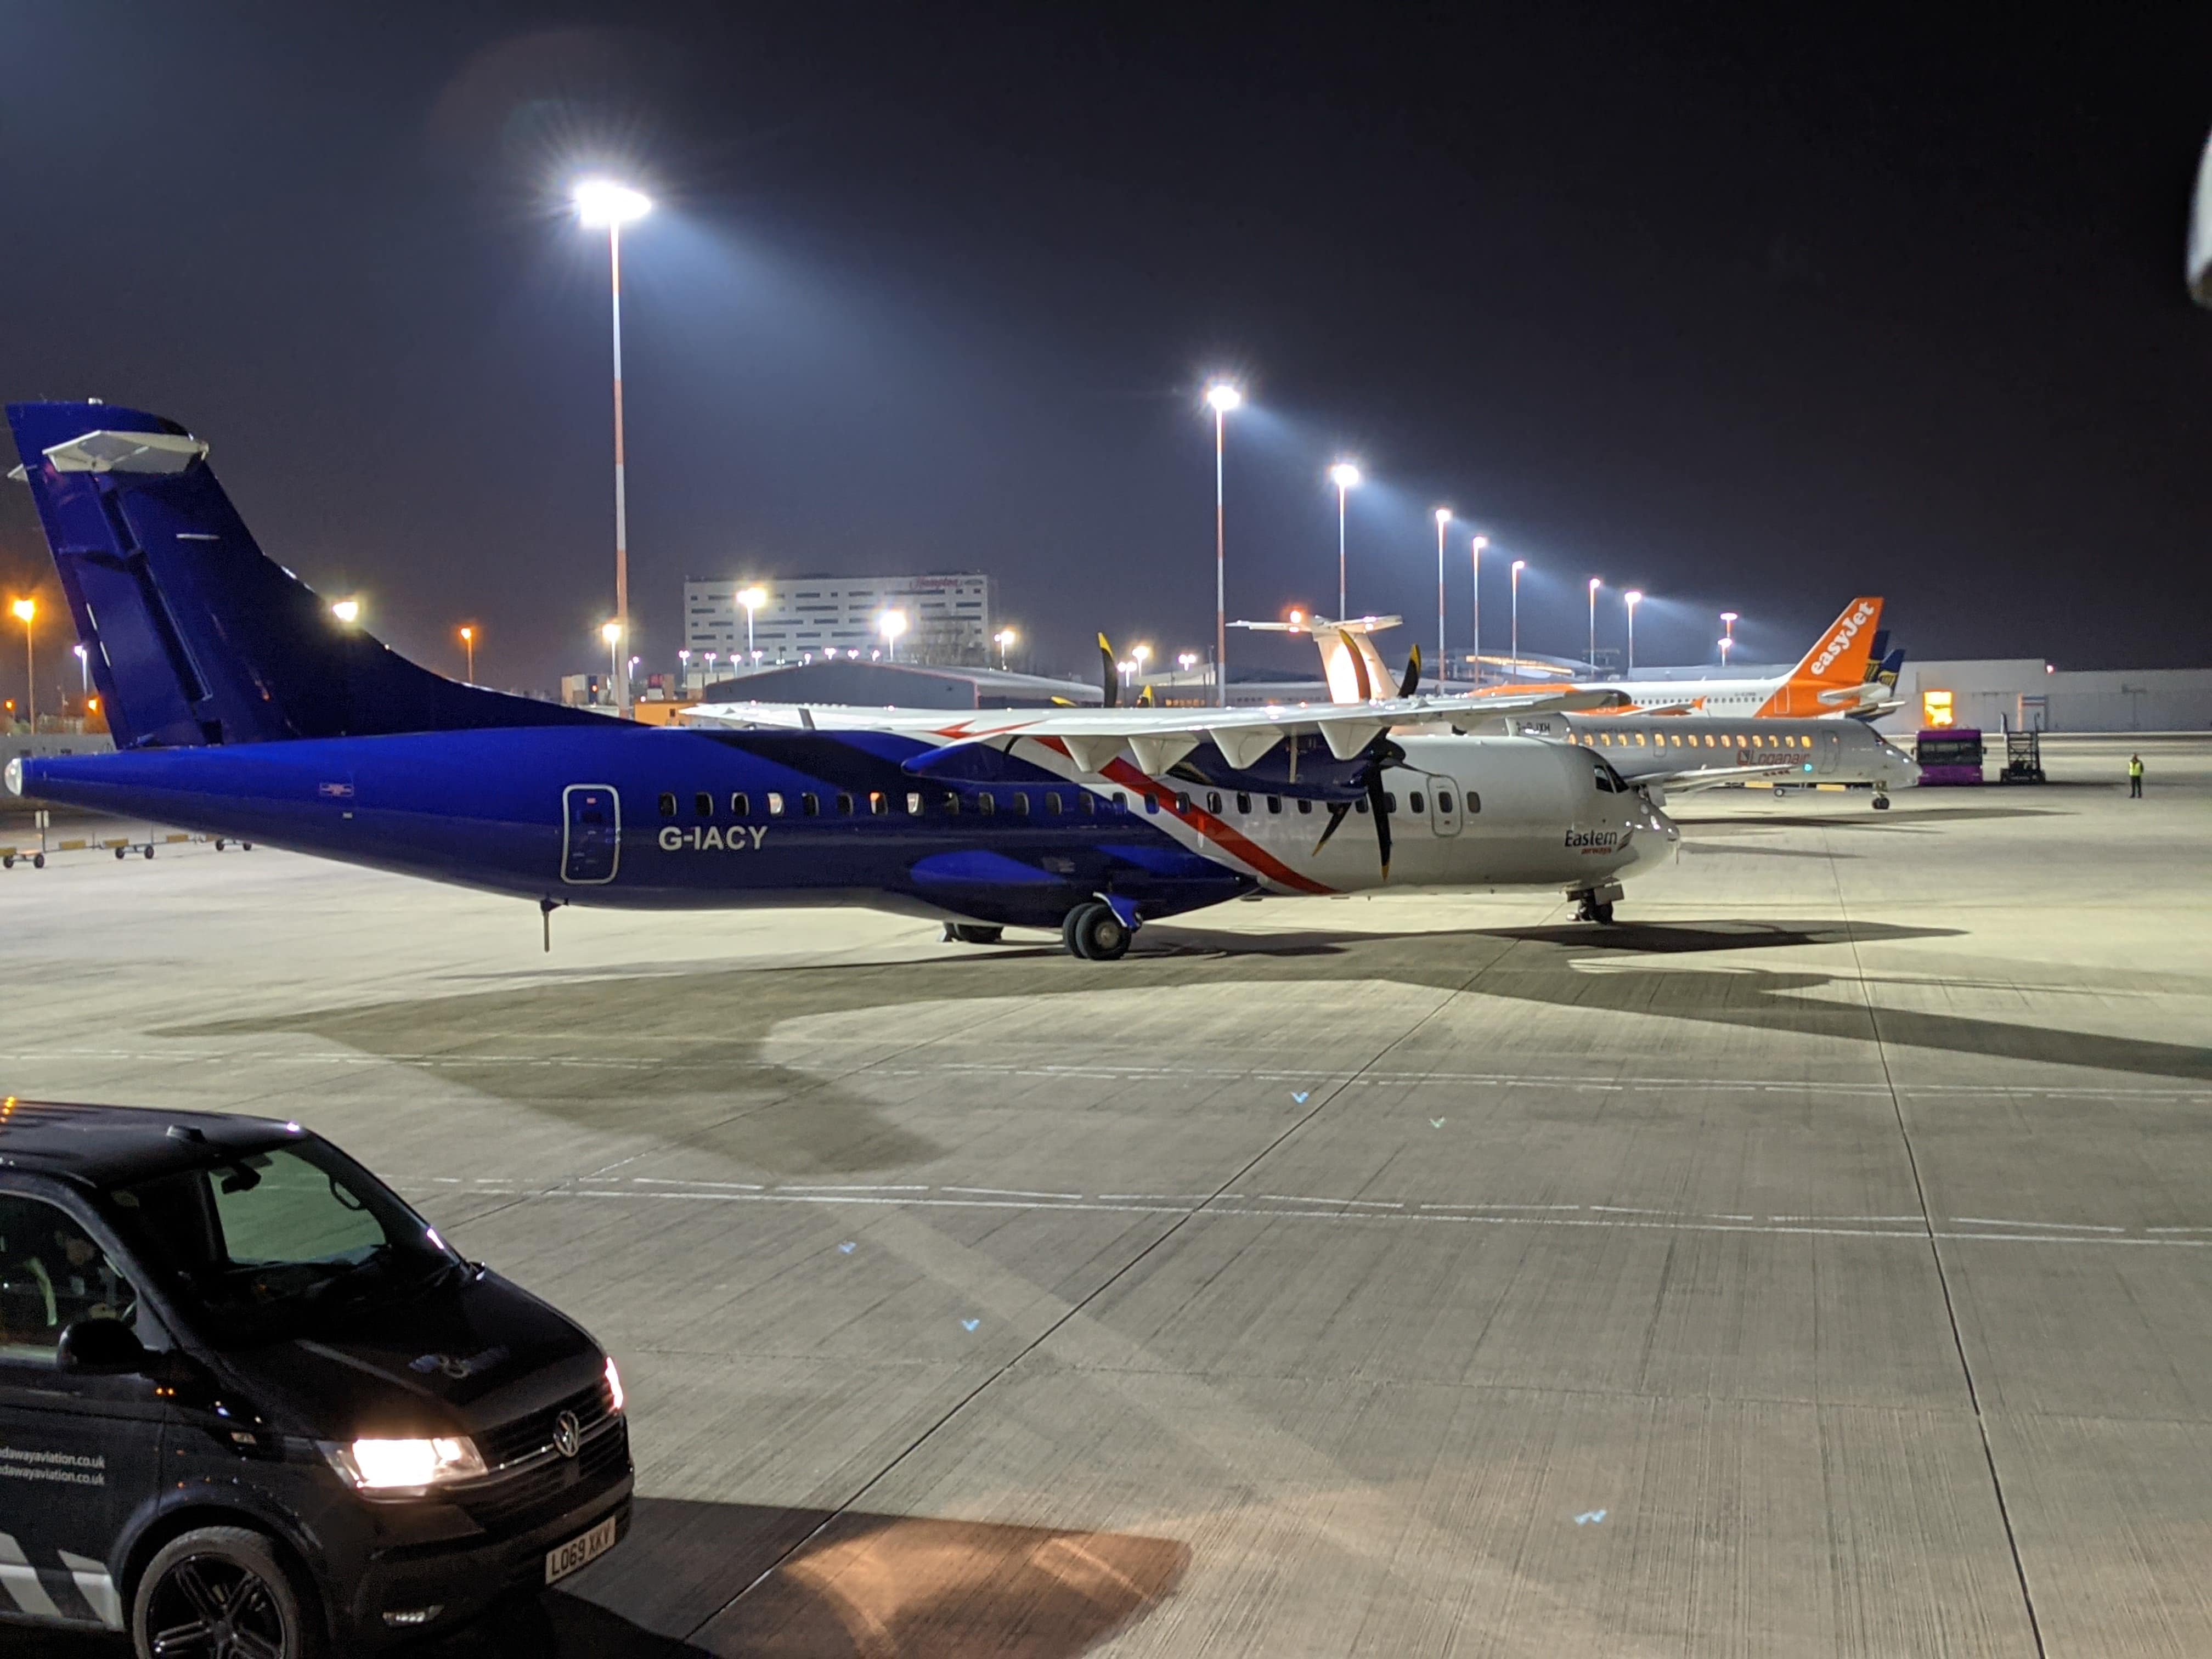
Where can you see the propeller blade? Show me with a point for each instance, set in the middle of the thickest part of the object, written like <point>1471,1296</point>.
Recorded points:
<point>1412,674</point>
<point>1337,810</point>
<point>1112,682</point>
<point>1378,803</point>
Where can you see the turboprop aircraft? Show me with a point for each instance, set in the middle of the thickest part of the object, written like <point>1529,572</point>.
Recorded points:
<point>242,707</point>
<point>1674,753</point>
<point>1838,676</point>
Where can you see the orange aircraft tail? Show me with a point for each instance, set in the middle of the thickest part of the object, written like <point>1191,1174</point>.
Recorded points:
<point>1828,679</point>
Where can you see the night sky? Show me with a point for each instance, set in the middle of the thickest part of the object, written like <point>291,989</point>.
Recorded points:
<point>1756,314</point>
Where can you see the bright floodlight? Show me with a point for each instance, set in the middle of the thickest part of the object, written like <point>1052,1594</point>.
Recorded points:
<point>753,598</point>
<point>24,609</point>
<point>1481,542</point>
<point>1520,565</point>
<point>1345,476</point>
<point>1143,653</point>
<point>1443,517</point>
<point>601,203</point>
<point>891,624</point>
<point>1729,617</point>
<point>1595,583</point>
<point>611,632</point>
<point>1221,397</point>
<point>346,611</point>
<point>1634,596</point>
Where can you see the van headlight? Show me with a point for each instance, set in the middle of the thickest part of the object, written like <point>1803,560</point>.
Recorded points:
<point>615,1398</point>
<point>405,1469</point>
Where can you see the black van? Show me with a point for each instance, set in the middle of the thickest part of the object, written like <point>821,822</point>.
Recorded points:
<point>252,1404</point>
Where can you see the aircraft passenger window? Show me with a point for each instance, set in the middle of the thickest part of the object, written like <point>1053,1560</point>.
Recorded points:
<point>1390,800</point>
<point>1151,803</point>
<point>668,806</point>
<point>1182,801</point>
<point>1639,740</point>
<point>1414,802</point>
<point>703,804</point>
<point>1360,806</point>
<point>1806,741</point>
<point>1052,803</point>
<point>1121,802</point>
<point>844,805</point>
<point>1021,802</point>
<point>1274,803</point>
<point>953,806</point>
<point>775,804</point>
<point>986,806</point>
<point>1305,805</point>
<point>1090,803</point>
<point>876,804</point>
<point>741,805</point>
<point>810,804</point>
<point>914,807</point>
<point>1213,802</point>
<point>1474,801</point>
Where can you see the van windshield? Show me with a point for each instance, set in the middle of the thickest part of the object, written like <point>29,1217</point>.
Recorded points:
<point>270,1243</point>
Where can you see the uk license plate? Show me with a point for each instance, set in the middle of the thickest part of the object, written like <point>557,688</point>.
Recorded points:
<point>565,1558</point>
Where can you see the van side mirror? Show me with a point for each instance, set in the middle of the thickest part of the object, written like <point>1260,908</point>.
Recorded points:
<point>100,1348</point>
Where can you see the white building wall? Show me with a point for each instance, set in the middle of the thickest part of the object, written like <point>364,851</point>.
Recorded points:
<point>949,616</point>
<point>2027,693</point>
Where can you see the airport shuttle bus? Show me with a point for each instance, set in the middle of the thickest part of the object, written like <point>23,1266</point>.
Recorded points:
<point>1949,754</point>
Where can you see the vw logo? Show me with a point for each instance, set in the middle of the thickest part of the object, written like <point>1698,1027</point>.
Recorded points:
<point>568,1434</point>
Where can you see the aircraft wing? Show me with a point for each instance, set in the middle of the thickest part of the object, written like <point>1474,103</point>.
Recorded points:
<point>1156,738</point>
<point>1690,781</point>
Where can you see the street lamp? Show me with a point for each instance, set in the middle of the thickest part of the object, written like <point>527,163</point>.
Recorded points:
<point>1519,565</point>
<point>1632,598</point>
<point>601,203</point>
<point>1140,654</point>
<point>683,673</point>
<point>347,610</point>
<point>1346,476</point>
<point>1004,639</point>
<point>612,633</point>
<point>1221,397</point>
<point>1480,541</point>
<point>891,625</point>
<point>752,599</point>
<point>1443,519</point>
<point>26,612</point>
<point>1594,584</point>
<point>1728,635</point>
<point>1187,660</point>
<point>468,642</point>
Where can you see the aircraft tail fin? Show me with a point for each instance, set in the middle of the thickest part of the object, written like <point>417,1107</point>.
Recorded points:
<point>195,636</point>
<point>1840,659</point>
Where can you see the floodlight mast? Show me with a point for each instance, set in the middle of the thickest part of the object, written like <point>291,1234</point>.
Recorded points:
<point>1443,516</point>
<point>1222,398</point>
<point>603,204</point>
<point>1346,476</point>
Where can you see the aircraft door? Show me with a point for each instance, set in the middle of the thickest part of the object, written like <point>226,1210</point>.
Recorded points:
<point>1830,745</point>
<point>1443,806</point>
<point>591,834</point>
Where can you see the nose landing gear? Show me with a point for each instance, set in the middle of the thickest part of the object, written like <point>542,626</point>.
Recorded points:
<point>1881,803</point>
<point>1595,903</point>
<point>971,933</point>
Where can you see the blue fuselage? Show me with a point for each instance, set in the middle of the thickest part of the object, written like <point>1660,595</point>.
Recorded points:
<point>641,816</point>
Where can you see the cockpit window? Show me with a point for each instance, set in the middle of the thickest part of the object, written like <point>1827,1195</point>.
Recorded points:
<point>1607,780</point>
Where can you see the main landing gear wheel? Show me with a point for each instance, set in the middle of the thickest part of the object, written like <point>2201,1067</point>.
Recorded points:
<point>969,933</point>
<point>1881,803</point>
<point>221,1592</point>
<point>1095,933</point>
<point>1591,910</point>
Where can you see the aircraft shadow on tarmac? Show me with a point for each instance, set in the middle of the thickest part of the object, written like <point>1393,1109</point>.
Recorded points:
<point>697,1578</point>
<point>685,1058</point>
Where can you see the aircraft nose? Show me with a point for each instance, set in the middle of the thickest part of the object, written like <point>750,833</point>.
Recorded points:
<point>15,776</point>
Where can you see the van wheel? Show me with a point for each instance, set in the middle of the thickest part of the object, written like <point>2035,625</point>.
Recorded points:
<point>221,1592</point>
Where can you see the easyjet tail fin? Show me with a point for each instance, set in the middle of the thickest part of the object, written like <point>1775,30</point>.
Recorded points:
<point>1840,657</point>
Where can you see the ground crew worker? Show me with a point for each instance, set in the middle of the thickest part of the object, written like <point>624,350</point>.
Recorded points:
<point>2135,777</point>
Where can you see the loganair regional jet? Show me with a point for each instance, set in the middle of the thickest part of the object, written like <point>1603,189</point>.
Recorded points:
<point>241,706</point>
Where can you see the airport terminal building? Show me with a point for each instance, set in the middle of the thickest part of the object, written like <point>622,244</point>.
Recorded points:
<point>950,617</point>
<point>2026,694</point>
